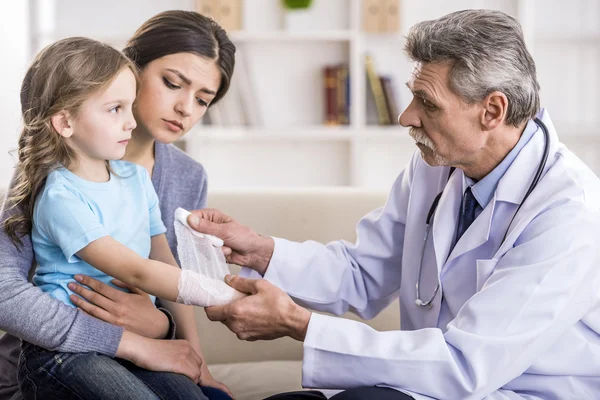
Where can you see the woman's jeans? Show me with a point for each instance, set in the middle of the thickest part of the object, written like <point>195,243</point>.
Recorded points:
<point>45,374</point>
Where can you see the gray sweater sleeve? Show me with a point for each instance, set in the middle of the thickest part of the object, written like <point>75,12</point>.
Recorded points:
<point>32,315</point>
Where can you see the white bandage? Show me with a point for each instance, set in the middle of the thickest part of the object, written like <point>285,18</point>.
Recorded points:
<point>203,267</point>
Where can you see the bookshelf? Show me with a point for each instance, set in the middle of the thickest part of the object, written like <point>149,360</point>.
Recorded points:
<point>283,61</point>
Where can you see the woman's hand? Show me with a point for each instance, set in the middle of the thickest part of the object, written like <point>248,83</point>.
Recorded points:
<point>176,356</point>
<point>133,311</point>
<point>206,379</point>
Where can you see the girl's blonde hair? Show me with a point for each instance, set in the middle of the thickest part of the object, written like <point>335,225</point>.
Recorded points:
<point>60,78</point>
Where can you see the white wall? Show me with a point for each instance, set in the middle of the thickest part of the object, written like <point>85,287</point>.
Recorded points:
<point>564,37</point>
<point>14,56</point>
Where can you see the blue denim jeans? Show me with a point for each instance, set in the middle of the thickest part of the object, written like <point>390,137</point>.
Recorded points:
<point>45,374</point>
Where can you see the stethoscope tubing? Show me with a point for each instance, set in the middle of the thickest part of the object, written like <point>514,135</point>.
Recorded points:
<point>432,209</point>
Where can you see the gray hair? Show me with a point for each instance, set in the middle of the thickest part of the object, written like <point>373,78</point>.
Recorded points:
<point>487,52</point>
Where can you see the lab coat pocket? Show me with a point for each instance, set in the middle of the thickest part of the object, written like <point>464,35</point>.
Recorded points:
<point>485,268</point>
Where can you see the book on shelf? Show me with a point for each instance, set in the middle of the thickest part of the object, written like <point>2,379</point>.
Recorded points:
<point>336,91</point>
<point>377,91</point>
<point>391,99</point>
<point>382,98</point>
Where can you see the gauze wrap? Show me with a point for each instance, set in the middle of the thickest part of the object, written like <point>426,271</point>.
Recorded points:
<point>203,267</point>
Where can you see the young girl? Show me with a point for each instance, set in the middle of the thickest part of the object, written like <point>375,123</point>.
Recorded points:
<point>84,209</point>
<point>195,43</point>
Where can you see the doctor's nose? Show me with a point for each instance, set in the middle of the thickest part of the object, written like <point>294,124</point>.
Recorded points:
<point>409,116</point>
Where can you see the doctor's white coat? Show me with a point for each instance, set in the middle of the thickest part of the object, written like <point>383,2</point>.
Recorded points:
<point>519,320</point>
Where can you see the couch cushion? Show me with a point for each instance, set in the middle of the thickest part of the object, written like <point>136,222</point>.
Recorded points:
<point>322,214</point>
<point>257,380</point>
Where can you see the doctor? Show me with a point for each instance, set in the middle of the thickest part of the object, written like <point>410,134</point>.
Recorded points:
<point>499,297</point>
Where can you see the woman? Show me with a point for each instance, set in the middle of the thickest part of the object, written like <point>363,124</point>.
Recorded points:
<point>186,62</point>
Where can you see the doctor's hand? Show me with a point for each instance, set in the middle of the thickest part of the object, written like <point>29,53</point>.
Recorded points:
<point>267,313</point>
<point>133,311</point>
<point>242,246</point>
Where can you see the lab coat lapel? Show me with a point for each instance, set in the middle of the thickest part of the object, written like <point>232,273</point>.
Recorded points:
<point>477,234</point>
<point>446,218</point>
<point>516,181</point>
<point>511,188</point>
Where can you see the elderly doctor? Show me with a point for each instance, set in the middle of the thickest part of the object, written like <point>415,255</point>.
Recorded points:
<point>489,239</point>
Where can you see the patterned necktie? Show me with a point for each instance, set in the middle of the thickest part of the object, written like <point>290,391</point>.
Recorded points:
<point>467,213</point>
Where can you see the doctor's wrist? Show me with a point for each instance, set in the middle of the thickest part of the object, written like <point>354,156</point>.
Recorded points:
<point>297,322</point>
<point>263,254</point>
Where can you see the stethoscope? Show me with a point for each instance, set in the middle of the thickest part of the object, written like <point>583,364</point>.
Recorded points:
<point>431,213</point>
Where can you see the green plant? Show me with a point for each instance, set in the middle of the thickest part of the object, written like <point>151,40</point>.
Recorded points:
<point>296,4</point>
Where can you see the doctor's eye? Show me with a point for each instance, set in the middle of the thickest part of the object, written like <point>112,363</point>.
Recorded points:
<point>427,104</point>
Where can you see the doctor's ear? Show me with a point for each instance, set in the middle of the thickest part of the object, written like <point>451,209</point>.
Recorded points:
<point>62,124</point>
<point>495,107</point>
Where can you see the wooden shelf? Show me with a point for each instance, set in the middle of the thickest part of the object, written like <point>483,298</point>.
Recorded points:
<point>310,133</point>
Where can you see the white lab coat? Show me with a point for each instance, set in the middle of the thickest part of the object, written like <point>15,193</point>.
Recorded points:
<point>519,320</point>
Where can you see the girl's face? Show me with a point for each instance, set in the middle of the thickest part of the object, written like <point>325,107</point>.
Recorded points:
<point>175,91</point>
<point>102,127</point>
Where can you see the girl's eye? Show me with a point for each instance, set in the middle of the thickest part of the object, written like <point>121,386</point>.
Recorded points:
<point>169,84</point>
<point>202,102</point>
<point>115,109</point>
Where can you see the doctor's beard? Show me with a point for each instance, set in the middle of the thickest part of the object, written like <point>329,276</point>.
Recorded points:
<point>421,138</point>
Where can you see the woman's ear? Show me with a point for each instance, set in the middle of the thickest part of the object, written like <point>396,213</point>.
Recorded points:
<point>62,124</point>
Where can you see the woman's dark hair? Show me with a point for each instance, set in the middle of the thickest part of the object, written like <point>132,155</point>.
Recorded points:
<point>178,31</point>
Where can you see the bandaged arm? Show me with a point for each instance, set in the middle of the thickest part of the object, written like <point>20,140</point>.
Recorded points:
<point>152,276</point>
<point>183,315</point>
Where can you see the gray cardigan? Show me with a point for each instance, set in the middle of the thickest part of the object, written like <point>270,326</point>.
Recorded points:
<point>30,314</point>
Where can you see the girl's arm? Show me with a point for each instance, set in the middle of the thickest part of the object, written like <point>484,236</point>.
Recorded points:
<point>119,261</point>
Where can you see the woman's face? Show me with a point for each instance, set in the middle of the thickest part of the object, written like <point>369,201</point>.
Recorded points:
<point>175,91</point>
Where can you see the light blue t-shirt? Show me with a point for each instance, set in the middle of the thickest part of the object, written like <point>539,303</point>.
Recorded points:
<point>72,212</point>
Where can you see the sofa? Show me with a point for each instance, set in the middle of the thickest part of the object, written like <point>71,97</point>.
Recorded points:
<point>255,370</point>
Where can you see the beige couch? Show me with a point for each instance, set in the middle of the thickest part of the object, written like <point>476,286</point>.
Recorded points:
<point>254,370</point>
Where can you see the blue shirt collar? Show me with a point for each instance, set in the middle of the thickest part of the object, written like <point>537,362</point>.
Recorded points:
<point>484,189</point>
